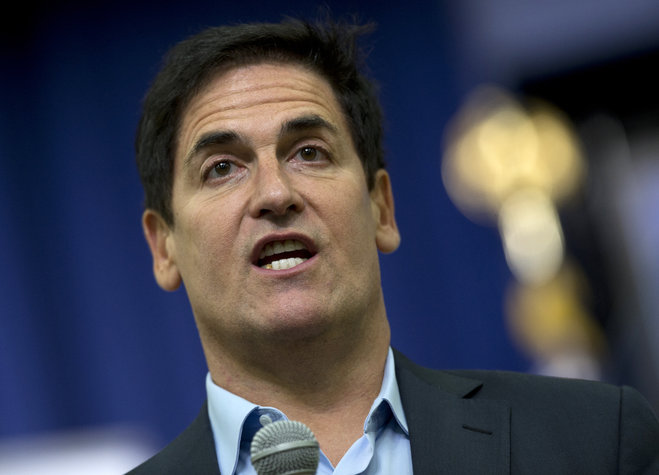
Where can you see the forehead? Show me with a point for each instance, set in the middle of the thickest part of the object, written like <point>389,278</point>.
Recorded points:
<point>255,96</point>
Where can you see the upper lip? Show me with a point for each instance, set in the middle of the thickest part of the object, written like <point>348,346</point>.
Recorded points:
<point>294,236</point>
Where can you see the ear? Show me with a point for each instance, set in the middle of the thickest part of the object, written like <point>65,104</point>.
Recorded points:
<point>159,237</point>
<point>387,236</point>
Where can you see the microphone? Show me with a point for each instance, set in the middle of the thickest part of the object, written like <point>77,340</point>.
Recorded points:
<point>284,448</point>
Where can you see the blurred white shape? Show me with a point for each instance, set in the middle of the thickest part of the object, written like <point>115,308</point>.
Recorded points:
<point>576,364</point>
<point>532,236</point>
<point>100,452</point>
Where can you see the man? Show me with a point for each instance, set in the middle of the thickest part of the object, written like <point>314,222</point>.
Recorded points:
<point>266,196</point>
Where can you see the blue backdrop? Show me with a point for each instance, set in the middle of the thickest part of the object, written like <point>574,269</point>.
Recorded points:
<point>86,336</point>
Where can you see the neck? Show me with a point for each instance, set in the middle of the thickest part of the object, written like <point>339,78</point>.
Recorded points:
<point>327,383</point>
<point>307,373</point>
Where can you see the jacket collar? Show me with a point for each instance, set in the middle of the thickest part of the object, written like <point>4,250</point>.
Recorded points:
<point>451,430</point>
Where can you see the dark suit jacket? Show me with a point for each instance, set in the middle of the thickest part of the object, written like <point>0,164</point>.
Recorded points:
<point>485,422</point>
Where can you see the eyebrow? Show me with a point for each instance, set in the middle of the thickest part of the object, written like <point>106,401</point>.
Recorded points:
<point>212,139</point>
<point>307,122</point>
<point>226,137</point>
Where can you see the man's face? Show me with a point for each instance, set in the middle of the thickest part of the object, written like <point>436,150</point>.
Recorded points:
<point>275,231</point>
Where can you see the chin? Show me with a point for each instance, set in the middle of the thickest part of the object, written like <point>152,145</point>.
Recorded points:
<point>298,326</point>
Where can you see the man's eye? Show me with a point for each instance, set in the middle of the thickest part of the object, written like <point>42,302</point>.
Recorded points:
<point>220,169</point>
<point>308,153</point>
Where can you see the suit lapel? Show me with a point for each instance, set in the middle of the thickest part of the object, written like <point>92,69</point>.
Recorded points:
<point>450,430</point>
<point>201,446</point>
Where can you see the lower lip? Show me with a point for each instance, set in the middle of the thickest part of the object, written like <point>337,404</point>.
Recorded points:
<point>287,272</point>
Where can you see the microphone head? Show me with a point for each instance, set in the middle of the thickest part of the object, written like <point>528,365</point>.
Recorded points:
<point>285,448</point>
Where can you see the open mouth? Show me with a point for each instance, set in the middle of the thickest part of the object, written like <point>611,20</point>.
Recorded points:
<point>281,255</point>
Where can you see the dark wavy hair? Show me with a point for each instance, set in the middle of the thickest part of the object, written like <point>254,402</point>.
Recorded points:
<point>329,49</point>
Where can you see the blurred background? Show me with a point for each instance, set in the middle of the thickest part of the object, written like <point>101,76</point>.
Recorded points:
<point>523,142</point>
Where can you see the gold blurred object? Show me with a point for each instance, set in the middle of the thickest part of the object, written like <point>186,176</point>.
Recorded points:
<point>551,322</point>
<point>495,146</point>
<point>512,164</point>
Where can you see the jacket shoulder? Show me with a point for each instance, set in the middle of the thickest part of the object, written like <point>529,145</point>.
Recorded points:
<point>193,451</point>
<point>507,385</point>
<point>564,421</point>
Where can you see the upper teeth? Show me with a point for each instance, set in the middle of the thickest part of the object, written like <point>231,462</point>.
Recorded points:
<point>278,247</point>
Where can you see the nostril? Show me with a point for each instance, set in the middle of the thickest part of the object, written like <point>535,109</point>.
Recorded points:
<point>274,210</point>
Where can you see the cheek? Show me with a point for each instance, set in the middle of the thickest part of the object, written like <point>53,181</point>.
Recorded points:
<point>208,237</point>
<point>352,217</point>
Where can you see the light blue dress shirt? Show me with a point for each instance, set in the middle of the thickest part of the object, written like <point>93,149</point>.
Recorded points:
<point>383,449</point>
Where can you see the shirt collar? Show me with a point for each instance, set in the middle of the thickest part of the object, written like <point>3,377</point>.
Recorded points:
<point>230,415</point>
<point>390,395</point>
<point>227,413</point>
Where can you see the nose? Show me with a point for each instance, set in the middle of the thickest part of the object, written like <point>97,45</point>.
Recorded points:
<point>274,193</point>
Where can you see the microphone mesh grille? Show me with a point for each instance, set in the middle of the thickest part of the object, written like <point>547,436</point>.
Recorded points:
<point>284,447</point>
